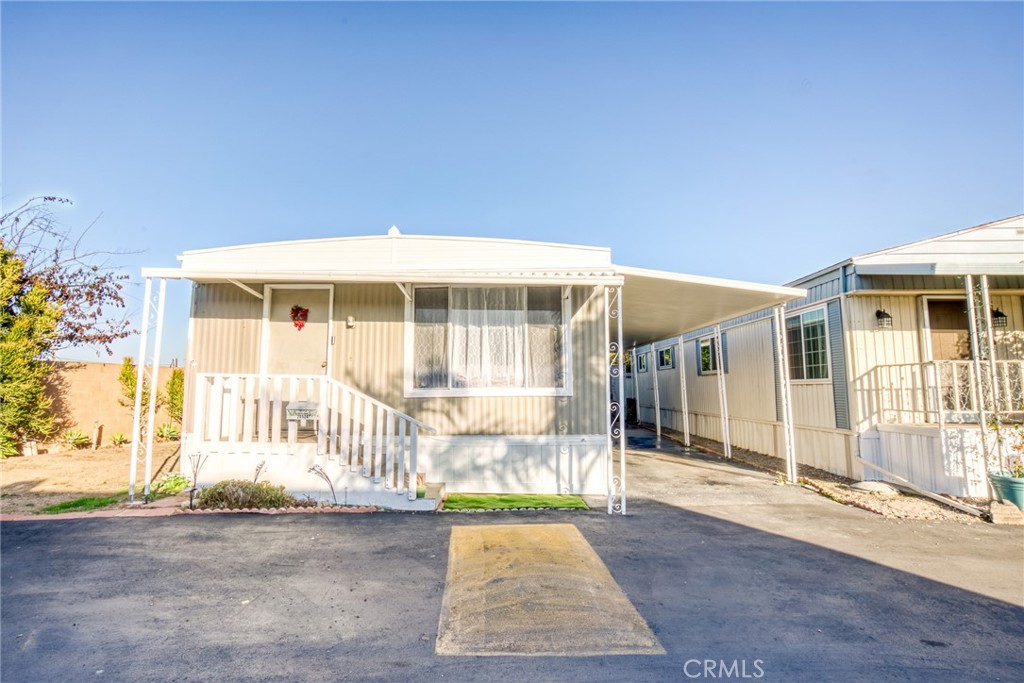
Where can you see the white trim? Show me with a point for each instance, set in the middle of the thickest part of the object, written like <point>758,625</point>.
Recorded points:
<point>713,354</point>
<point>435,277</point>
<point>246,288</point>
<point>516,439</point>
<point>823,307</point>
<point>791,292</point>
<point>672,357</point>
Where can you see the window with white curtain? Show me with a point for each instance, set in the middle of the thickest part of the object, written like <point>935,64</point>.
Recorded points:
<point>480,340</point>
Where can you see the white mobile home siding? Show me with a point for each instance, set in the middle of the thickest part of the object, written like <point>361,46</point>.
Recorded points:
<point>496,443</point>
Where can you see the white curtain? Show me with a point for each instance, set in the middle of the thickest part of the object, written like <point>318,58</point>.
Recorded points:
<point>431,338</point>
<point>545,337</point>
<point>488,337</point>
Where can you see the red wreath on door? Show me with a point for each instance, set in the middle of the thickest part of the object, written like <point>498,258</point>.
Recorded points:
<point>299,316</point>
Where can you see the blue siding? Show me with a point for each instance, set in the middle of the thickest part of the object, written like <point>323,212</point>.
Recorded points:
<point>837,357</point>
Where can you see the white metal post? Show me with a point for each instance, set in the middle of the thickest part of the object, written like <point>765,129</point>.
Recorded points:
<point>684,403</point>
<point>622,406</point>
<point>723,400</point>
<point>137,413</point>
<point>610,464</point>
<point>990,352</point>
<point>979,393</point>
<point>154,382</point>
<point>782,361</point>
<point>653,367</point>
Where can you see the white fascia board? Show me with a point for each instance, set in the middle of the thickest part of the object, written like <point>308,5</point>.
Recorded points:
<point>435,277</point>
<point>979,269</point>
<point>940,269</point>
<point>791,292</point>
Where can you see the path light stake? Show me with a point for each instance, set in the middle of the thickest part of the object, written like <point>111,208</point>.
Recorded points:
<point>259,468</point>
<point>319,471</point>
<point>196,460</point>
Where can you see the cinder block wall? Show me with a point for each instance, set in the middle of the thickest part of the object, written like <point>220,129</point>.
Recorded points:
<point>87,394</point>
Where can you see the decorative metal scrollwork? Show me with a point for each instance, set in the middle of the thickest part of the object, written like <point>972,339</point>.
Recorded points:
<point>616,419</point>
<point>616,495</point>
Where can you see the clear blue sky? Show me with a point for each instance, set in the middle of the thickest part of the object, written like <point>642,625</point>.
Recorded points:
<point>756,141</point>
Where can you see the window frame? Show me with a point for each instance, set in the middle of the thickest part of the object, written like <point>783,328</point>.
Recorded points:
<point>710,340</point>
<point>411,391</point>
<point>641,361</point>
<point>826,341</point>
<point>671,364</point>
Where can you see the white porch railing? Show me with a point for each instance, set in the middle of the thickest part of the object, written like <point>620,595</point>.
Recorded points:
<point>249,411</point>
<point>942,391</point>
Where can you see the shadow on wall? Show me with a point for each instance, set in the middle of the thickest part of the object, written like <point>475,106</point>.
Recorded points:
<point>86,396</point>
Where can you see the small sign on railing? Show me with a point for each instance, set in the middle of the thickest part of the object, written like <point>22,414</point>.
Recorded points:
<point>301,410</point>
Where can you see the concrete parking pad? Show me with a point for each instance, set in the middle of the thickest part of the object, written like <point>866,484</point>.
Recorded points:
<point>535,589</point>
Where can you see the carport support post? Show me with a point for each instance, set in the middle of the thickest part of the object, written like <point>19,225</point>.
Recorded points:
<point>622,405</point>
<point>137,413</point>
<point>657,391</point>
<point>154,382</point>
<point>723,400</point>
<point>979,388</point>
<point>782,363</point>
<point>684,405</point>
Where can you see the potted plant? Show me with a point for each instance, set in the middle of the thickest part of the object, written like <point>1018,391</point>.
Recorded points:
<point>1008,483</point>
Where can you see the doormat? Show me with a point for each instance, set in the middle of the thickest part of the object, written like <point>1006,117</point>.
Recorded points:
<point>535,589</point>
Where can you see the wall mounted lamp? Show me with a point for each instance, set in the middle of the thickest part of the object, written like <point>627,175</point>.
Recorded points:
<point>999,318</point>
<point>883,320</point>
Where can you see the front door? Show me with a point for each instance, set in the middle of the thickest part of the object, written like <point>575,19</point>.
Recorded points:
<point>298,331</point>
<point>948,327</point>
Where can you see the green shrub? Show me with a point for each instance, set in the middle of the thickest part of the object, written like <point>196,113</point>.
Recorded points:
<point>119,439</point>
<point>73,438</point>
<point>236,494</point>
<point>172,483</point>
<point>168,432</point>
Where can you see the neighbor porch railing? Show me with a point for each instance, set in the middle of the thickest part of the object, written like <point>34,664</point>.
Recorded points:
<point>943,391</point>
<point>251,412</point>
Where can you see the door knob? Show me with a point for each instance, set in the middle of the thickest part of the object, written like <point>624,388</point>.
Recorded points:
<point>324,364</point>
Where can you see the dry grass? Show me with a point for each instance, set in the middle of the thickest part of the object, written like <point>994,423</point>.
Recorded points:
<point>29,484</point>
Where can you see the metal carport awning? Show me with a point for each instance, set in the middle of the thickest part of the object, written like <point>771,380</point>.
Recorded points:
<point>657,305</point>
<point>660,305</point>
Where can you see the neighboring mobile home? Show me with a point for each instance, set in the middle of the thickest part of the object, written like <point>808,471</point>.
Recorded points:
<point>363,365</point>
<point>880,360</point>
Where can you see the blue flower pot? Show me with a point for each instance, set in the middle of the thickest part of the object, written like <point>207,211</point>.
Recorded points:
<point>1008,488</point>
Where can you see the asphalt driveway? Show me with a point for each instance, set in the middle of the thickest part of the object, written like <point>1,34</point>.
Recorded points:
<point>734,574</point>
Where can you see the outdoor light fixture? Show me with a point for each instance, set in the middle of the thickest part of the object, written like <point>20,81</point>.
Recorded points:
<point>883,320</point>
<point>999,318</point>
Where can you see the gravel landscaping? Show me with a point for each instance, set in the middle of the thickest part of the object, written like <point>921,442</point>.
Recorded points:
<point>902,506</point>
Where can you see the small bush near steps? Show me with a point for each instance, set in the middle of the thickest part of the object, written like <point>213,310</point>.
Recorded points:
<point>238,494</point>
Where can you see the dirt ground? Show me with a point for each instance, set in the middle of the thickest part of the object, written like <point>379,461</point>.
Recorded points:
<point>28,484</point>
